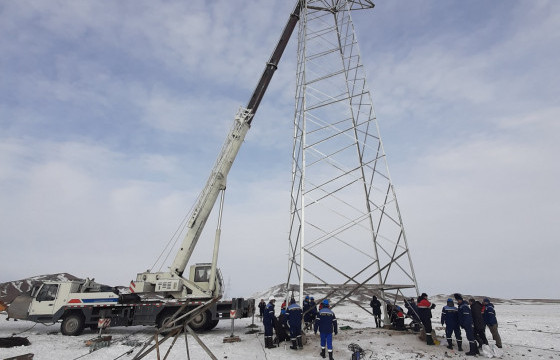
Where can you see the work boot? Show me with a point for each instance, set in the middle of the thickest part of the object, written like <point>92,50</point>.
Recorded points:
<point>330,355</point>
<point>473,349</point>
<point>450,344</point>
<point>460,345</point>
<point>429,339</point>
<point>323,353</point>
<point>269,343</point>
<point>294,344</point>
<point>300,342</point>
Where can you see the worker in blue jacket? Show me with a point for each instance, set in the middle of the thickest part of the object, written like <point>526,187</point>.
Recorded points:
<point>450,317</point>
<point>326,323</point>
<point>489,315</point>
<point>268,322</point>
<point>294,313</point>
<point>466,321</point>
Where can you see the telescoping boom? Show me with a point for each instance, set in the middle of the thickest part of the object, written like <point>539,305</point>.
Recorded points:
<point>173,282</point>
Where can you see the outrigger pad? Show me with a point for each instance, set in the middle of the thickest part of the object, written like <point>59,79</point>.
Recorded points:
<point>8,342</point>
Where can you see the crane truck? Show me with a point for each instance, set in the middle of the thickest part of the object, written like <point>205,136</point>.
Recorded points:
<point>83,303</point>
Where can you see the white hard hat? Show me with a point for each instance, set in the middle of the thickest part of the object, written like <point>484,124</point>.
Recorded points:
<point>271,298</point>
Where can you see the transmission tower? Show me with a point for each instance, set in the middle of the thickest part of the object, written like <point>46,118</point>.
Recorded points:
<point>346,231</point>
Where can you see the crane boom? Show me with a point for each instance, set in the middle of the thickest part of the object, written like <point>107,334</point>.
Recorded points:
<point>217,179</point>
<point>147,282</point>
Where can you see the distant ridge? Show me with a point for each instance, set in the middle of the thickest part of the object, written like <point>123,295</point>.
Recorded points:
<point>363,295</point>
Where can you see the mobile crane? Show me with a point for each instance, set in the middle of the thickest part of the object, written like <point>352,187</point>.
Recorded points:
<point>78,304</point>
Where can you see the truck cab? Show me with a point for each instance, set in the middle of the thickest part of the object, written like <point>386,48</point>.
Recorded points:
<point>46,302</point>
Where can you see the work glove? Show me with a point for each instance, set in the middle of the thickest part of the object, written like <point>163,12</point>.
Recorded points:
<point>433,306</point>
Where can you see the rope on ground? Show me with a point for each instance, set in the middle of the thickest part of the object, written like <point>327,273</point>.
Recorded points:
<point>21,332</point>
<point>262,345</point>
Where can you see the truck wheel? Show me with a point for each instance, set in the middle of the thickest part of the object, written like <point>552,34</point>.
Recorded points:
<point>163,319</point>
<point>213,324</point>
<point>72,325</point>
<point>202,321</point>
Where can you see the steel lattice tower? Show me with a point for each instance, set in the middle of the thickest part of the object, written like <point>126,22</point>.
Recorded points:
<point>346,230</point>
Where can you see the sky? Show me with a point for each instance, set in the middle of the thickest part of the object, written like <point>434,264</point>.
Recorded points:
<point>112,115</point>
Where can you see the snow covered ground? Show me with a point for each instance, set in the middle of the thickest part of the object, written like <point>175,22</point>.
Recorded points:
<point>529,330</point>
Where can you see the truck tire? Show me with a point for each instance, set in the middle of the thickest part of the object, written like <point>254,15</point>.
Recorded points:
<point>72,325</point>
<point>202,321</point>
<point>213,324</point>
<point>163,318</point>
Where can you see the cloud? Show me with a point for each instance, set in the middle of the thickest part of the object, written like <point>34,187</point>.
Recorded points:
<point>112,114</point>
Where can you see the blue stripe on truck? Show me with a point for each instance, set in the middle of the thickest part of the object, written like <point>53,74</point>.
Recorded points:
<point>90,301</point>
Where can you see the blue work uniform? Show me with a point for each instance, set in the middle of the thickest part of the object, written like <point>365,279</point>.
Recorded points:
<point>294,313</point>
<point>450,317</point>
<point>464,316</point>
<point>326,323</point>
<point>489,314</point>
<point>268,319</point>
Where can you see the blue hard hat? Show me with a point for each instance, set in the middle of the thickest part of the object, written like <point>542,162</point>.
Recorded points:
<point>307,297</point>
<point>325,302</point>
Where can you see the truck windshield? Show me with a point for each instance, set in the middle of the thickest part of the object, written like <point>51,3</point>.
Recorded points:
<point>47,292</point>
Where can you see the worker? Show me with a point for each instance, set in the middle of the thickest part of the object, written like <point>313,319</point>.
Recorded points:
<point>491,321</point>
<point>268,321</point>
<point>376,310</point>
<point>307,313</point>
<point>412,313</point>
<point>314,311</point>
<point>464,315</point>
<point>326,323</point>
<point>397,318</point>
<point>478,322</point>
<point>281,328</point>
<point>310,313</point>
<point>262,307</point>
<point>294,313</point>
<point>425,313</point>
<point>449,317</point>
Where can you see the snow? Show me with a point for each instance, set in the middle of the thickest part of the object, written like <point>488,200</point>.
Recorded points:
<point>529,330</point>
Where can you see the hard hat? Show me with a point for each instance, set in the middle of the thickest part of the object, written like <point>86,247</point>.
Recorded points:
<point>326,302</point>
<point>271,298</point>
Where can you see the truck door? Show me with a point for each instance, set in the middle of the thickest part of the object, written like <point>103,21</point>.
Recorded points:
<point>45,299</point>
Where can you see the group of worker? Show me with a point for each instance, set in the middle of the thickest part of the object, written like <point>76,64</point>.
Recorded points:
<point>290,322</point>
<point>473,319</point>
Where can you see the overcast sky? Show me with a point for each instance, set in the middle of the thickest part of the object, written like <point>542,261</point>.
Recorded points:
<point>112,114</point>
